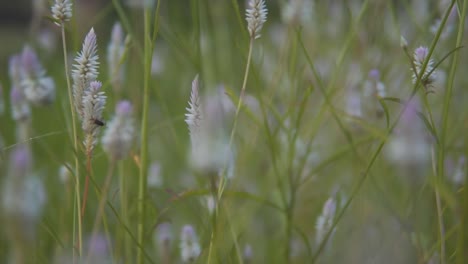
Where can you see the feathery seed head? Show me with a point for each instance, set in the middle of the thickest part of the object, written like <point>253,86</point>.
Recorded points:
<point>256,16</point>
<point>93,104</point>
<point>85,70</point>
<point>193,117</point>
<point>62,11</point>
<point>87,60</point>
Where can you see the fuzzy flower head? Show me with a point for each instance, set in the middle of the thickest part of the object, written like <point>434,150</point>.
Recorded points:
<point>20,109</point>
<point>155,179</point>
<point>189,245</point>
<point>408,146</point>
<point>38,88</point>
<point>23,195</point>
<point>256,16</point>
<point>163,238</point>
<point>115,51</point>
<point>429,75</point>
<point>85,70</point>
<point>62,11</point>
<point>210,150</point>
<point>325,220</point>
<point>297,12</point>
<point>119,135</point>
<point>93,102</point>
<point>14,70</point>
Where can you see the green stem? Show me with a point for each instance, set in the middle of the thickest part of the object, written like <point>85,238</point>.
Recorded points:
<point>236,117</point>
<point>148,50</point>
<point>75,141</point>
<point>461,253</point>
<point>124,212</point>
<point>222,182</point>
<point>103,199</point>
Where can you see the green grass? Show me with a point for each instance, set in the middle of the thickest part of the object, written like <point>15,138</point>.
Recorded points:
<point>296,148</point>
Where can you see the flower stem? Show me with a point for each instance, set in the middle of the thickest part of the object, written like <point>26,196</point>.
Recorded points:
<point>148,50</point>
<point>103,199</point>
<point>75,141</point>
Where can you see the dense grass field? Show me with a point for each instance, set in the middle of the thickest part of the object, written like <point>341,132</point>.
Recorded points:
<point>254,131</point>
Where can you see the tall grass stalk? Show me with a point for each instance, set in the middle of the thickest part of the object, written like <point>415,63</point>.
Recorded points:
<point>222,183</point>
<point>149,40</point>
<point>75,143</point>
<point>124,212</point>
<point>460,256</point>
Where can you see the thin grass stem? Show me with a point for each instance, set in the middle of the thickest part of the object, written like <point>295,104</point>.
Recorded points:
<point>75,141</point>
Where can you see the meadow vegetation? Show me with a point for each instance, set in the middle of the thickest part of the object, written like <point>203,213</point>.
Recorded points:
<point>257,131</point>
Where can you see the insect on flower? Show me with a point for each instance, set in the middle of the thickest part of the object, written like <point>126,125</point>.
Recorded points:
<point>98,122</point>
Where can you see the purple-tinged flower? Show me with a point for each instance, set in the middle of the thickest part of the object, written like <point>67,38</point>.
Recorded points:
<point>119,136</point>
<point>155,179</point>
<point>85,70</point>
<point>98,247</point>
<point>115,52</point>
<point>23,197</point>
<point>38,88</point>
<point>428,77</point>
<point>93,102</point>
<point>163,239</point>
<point>248,253</point>
<point>31,68</point>
<point>189,245</point>
<point>353,103</point>
<point>62,11</point>
<point>408,146</point>
<point>256,16</point>
<point>14,70</point>
<point>325,220</point>
<point>20,109</point>
<point>374,74</point>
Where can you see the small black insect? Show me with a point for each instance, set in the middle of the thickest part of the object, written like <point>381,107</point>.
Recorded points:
<point>98,122</point>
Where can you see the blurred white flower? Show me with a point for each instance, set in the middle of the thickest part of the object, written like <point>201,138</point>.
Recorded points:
<point>189,245</point>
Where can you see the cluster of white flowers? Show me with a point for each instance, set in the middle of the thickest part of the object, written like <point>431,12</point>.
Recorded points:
<point>325,220</point>
<point>189,245</point>
<point>119,135</point>
<point>115,52</point>
<point>62,11</point>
